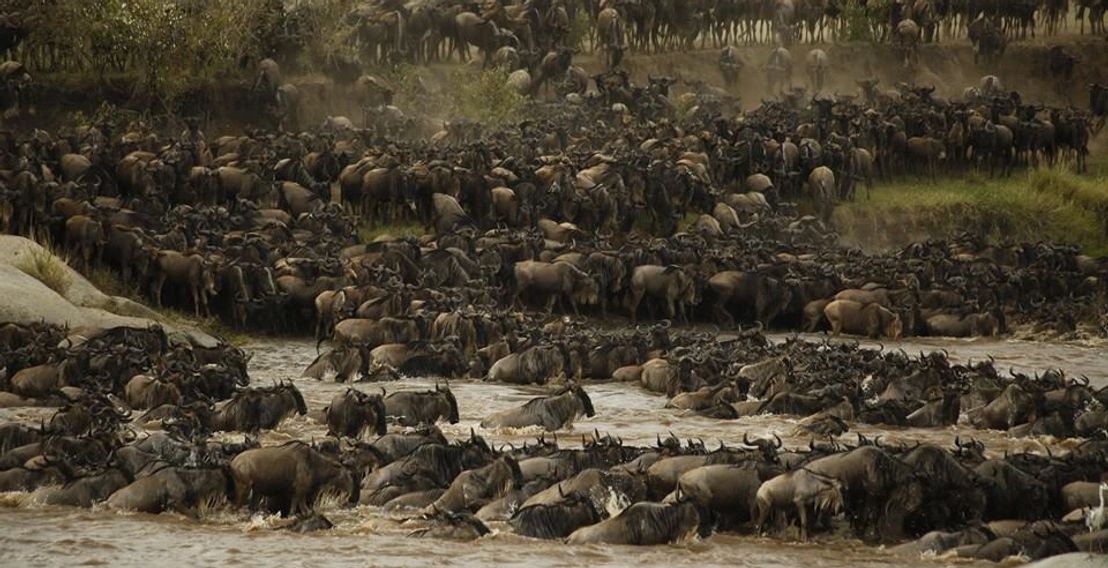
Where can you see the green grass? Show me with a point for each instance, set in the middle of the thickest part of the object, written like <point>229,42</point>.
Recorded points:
<point>367,232</point>
<point>108,281</point>
<point>1037,205</point>
<point>212,326</point>
<point>43,265</point>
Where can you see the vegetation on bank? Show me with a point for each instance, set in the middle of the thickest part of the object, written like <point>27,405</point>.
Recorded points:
<point>369,232</point>
<point>42,265</point>
<point>1044,204</point>
<point>452,92</point>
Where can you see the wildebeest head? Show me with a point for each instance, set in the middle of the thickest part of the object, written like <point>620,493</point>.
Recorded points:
<point>377,405</point>
<point>448,395</point>
<point>291,390</point>
<point>586,402</point>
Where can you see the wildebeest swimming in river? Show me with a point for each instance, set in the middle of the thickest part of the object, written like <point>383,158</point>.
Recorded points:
<point>291,478</point>
<point>257,409</point>
<point>552,412</point>
<point>352,411</point>
<point>643,524</point>
<point>556,520</point>
<point>416,408</point>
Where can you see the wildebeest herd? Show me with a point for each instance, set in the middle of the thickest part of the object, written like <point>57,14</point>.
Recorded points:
<point>138,412</point>
<point>613,204</point>
<point>492,254</point>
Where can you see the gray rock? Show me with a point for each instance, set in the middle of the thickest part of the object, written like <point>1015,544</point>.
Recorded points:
<point>23,299</point>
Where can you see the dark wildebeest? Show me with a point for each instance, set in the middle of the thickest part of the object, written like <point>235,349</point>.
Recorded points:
<point>291,477</point>
<point>254,409</point>
<point>556,520</point>
<point>643,524</point>
<point>475,488</point>
<point>172,489</point>
<point>552,412</point>
<point>352,412</point>
<point>416,408</point>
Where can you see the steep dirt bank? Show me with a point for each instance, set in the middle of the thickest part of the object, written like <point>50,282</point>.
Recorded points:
<point>950,67</point>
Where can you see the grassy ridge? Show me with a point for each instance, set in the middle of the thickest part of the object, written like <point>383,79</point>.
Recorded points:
<point>1037,205</point>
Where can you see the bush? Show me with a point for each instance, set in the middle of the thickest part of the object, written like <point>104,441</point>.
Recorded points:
<point>168,47</point>
<point>477,95</point>
<point>41,264</point>
<point>856,21</point>
<point>487,99</point>
<point>367,232</point>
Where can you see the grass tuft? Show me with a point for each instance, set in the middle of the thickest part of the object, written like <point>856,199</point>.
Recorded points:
<point>367,232</point>
<point>42,265</point>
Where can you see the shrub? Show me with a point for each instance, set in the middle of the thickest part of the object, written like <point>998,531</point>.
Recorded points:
<point>42,265</point>
<point>487,99</point>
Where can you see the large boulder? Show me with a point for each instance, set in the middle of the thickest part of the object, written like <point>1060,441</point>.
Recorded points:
<point>24,299</point>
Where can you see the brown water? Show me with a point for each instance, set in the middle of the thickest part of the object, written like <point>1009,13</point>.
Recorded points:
<point>34,535</point>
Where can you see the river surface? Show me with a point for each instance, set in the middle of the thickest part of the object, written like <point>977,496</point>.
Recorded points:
<point>36,535</point>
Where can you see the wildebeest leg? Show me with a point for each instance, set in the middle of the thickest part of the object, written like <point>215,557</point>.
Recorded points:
<point>721,313</point>
<point>156,291</point>
<point>636,297</point>
<point>550,304</point>
<point>572,304</point>
<point>802,511</point>
<point>195,298</point>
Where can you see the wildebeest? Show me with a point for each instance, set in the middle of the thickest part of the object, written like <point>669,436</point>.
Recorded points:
<point>290,478</point>
<point>254,409</point>
<point>879,490</point>
<point>472,489</point>
<point>870,320</point>
<point>172,489</point>
<point>643,524</point>
<point>670,285</point>
<point>727,492</point>
<point>416,408</point>
<point>556,520</point>
<point>553,413</point>
<point>759,295</point>
<point>353,411</point>
<point>802,493</point>
<point>559,281</point>
<point>346,363</point>
<point>535,364</point>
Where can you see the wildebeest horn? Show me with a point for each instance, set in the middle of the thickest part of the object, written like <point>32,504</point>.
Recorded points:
<point>659,437</point>
<point>779,442</point>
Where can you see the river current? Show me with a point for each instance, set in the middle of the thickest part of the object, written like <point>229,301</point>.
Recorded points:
<point>35,535</point>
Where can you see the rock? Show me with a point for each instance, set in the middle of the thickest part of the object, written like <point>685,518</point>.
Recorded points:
<point>23,299</point>
<point>1072,560</point>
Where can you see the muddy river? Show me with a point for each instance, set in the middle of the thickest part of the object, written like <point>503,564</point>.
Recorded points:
<point>35,535</point>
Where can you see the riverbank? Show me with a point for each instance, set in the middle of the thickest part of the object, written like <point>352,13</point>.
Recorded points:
<point>1047,204</point>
